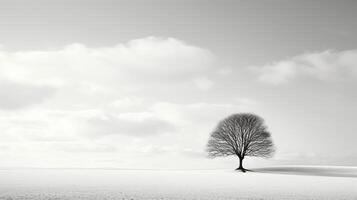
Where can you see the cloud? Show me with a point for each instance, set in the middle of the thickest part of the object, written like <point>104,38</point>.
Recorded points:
<point>80,147</point>
<point>203,83</point>
<point>200,113</point>
<point>149,130</point>
<point>132,124</point>
<point>225,71</point>
<point>326,66</point>
<point>15,95</point>
<point>137,61</point>
<point>82,75</point>
<point>153,119</point>
<point>128,104</point>
<point>136,99</point>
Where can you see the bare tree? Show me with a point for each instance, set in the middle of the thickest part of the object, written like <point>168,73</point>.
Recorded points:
<point>242,135</point>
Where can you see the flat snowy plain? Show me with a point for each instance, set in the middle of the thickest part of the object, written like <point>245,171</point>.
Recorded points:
<point>287,182</point>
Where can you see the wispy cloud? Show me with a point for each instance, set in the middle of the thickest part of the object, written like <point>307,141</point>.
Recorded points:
<point>327,65</point>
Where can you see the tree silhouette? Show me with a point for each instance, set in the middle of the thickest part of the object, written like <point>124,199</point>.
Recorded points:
<point>242,134</point>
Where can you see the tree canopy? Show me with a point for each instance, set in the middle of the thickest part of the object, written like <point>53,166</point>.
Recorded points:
<point>242,134</point>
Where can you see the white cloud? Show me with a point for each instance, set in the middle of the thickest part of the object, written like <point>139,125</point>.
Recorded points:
<point>201,113</point>
<point>83,76</point>
<point>127,102</point>
<point>225,71</point>
<point>178,129</point>
<point>123,101</point>
<point>327,66</point>
<point>132,124</point>
<point>146,59</point>
<point>203,83</point>
<point>18,95</point>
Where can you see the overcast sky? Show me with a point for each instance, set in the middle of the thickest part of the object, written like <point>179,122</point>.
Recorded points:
<point>140,84</point>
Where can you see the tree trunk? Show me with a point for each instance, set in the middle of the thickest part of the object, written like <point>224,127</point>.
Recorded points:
<point>241,168</point>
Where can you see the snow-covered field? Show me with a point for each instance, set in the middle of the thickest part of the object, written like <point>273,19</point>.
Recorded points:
<point>105,184</point>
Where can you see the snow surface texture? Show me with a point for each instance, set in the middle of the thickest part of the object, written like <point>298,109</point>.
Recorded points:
<point>100,184</point>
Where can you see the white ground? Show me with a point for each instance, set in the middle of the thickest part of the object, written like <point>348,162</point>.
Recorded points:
<point>268,183</point>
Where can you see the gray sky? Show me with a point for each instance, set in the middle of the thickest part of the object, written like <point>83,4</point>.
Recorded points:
<point>142,83</point>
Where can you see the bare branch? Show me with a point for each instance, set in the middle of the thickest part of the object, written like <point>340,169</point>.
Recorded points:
<point>241,135</point>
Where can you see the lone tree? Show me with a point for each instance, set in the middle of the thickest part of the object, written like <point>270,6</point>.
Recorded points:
<point>242,135</point>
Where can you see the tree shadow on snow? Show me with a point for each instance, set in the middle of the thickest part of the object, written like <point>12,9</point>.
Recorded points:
<point>310,171</point>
